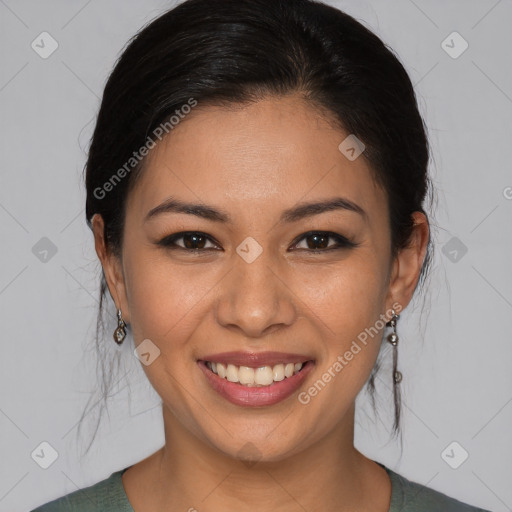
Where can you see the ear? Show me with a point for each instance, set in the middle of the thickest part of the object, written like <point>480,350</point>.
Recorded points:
<point>407,265</point>
<point>112,267</point>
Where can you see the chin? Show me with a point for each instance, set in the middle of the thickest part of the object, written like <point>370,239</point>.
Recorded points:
<point>253,449</point>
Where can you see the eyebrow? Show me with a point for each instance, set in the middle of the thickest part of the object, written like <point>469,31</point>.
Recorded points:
<point>299,212</point>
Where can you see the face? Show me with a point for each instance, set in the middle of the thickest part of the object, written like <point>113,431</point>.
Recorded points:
<point>255,279</point>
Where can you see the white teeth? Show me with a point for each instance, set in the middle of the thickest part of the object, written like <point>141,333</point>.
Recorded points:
<point>264,376</point>
<point>288,370</point>
<point>278,372</point>
<point>221,370</point>
<point>255,377</point>
<point>246,375</point>
<point>232,373</point>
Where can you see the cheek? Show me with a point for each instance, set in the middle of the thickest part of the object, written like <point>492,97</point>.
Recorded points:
<point>162,297</point>
<point>348,295</point>
<point>351,332</point>
<point>165,304</point>
<point>349,307</point>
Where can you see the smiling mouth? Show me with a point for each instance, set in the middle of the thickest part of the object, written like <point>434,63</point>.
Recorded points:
<point>255,380</point>
<point>262,376</point>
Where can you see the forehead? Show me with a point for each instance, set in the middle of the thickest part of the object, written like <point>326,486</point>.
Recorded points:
<point>260,157</point>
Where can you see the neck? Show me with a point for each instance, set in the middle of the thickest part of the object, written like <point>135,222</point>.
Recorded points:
<point>187,474</point>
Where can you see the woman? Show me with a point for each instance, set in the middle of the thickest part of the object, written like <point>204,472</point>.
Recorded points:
<point>256,185</point>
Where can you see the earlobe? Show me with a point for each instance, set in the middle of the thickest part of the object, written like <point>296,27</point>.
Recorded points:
<point>408,263</point>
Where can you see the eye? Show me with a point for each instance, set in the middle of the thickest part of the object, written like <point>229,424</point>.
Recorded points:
<point>192,241</point>
<point>319,241</point>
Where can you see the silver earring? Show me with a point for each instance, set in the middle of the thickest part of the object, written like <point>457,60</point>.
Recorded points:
<point>120,332</point>
<point>393,339</point>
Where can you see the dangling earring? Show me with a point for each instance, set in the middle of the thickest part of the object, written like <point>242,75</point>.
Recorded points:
<point>397,376</point>
<point>393,339</point>
<point>120,332</point>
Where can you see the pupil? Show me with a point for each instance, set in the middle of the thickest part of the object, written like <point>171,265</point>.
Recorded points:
<point>316,237</point>
<point>191,245</point>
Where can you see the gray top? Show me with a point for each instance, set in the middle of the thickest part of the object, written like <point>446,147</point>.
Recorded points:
<point>109,496</point>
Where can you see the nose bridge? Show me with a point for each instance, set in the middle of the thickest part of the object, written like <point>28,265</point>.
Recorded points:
<point>254,297</point>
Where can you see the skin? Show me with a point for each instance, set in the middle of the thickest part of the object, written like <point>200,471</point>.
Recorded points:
<point>253,162</point>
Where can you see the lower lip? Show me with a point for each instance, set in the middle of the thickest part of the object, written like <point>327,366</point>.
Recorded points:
<point>239,394</point>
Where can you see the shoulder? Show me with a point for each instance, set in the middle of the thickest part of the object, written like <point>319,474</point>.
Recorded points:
<point>409,496</point>
<point>106,496</point>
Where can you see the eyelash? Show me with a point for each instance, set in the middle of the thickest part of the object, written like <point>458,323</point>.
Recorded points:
<point>341,242</point>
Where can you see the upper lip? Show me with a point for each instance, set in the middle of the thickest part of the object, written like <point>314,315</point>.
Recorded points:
<point>256,359</point>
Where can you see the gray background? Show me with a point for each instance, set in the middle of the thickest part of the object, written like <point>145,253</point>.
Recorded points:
<point>455,358</point>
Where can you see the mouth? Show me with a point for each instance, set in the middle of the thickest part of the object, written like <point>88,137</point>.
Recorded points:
<point>255,379</point>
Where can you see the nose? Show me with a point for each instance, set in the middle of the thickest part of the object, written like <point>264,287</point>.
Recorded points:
<point>255,299</point>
